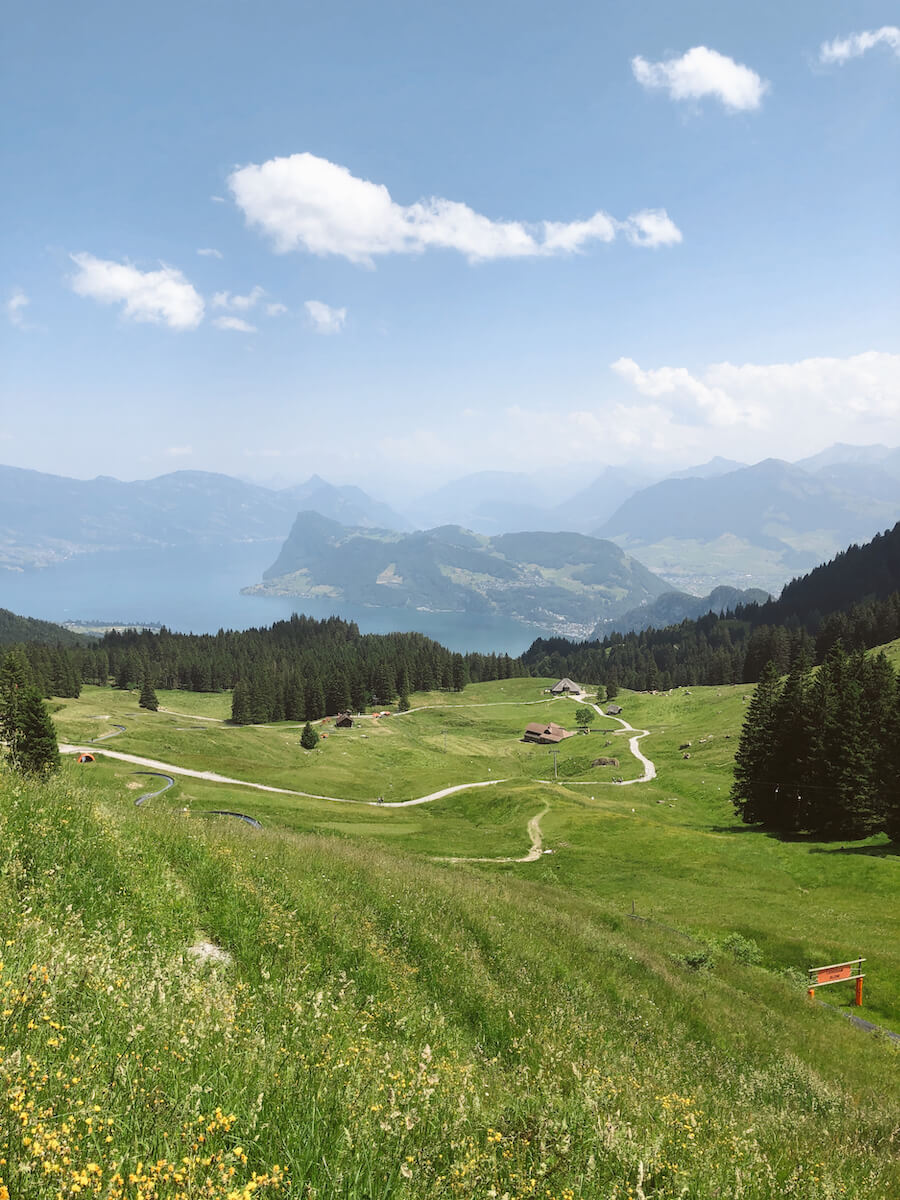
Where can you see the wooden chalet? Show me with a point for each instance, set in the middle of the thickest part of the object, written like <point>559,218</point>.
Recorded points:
<point>614,710</point>
<point>545,735</point>
<point>564,687</point>
<point>343,721</point>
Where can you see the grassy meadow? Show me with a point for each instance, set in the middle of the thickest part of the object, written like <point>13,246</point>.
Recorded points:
<point>385,1025</point>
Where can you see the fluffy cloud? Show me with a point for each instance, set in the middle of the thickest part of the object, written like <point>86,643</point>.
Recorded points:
<point>163,297</point>
<point>832,397</point>
<point>276,309</point>
<point>670,416</point>
<point>307,203</point>
<point>703,72</point>
<point>15,307</point>
<point>235,324</point>
<point>323,318</point>
<point>210,252</point>
<point>857,44</point>
<point>241,303</point>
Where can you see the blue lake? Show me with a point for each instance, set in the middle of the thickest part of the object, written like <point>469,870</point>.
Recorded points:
<point>198,590</point>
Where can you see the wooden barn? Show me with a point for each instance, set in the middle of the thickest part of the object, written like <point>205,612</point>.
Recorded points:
<point>614,710</point>
<point>564,687</point>
<point>343,721</point>
<point>545,735</point>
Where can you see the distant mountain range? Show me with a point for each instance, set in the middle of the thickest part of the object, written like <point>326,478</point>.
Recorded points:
<point>49,518</point>
<point>717,524</point>
<point>560,581</point>
<point>757,525</point>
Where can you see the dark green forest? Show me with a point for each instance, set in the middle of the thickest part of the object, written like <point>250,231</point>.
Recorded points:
<point>299,669</point>
<point>820,750</point>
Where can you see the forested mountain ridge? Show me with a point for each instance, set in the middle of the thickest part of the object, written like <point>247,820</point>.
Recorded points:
<point>561,581</point>
<point>854,599</point>
<point>673,607</point>
<point>15,629</point>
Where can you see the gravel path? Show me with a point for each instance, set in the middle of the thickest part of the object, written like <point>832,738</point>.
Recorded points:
<point>534,853</point>
<point>213,777</point>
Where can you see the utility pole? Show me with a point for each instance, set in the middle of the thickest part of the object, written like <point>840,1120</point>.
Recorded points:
<point>555,754</point>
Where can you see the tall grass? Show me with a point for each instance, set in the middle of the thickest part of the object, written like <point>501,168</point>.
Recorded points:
<point>387,1027</point>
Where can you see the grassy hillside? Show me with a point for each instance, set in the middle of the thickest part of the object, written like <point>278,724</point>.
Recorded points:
<point>386,1025</point>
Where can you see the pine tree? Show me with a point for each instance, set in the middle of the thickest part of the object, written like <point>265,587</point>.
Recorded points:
<point>39,751</point>
<point>790,763</point>
<point>754,792</point>
<point>15,680</point>
<point>148,695</point>
<point>240,704</point>
<point>309,739</point>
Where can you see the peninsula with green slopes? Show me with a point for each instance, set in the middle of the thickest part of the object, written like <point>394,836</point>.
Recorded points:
<point>560,582</point>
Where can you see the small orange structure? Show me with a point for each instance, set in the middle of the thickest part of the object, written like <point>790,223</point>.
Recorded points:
<point>85,758</point>
<point>838,973</point>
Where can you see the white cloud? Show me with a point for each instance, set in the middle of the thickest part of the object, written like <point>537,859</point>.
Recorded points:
<point>217,199</point>
<point>703,72</point>
<point>671,416</point>
<point>775,407</point>
<point>163,297</point>
<point>241,303</point>
<point>236,324</point>
<point>323,318</point>
<point>307,203</point>
<point>275,310</point>
<point>857,44</point>
<point>15,307</point>
<point>178,451</point>
<point>210,252</point>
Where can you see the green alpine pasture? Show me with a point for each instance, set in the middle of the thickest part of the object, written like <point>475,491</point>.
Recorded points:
<point>322,1008</point>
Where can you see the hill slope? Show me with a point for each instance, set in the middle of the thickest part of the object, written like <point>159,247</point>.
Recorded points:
<point>561,582</point>
<point>340,1016</point>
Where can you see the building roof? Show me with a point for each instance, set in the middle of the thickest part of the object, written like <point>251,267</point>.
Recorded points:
<point>613,710</point>
<point>546,733</point>
<point>565,685</point>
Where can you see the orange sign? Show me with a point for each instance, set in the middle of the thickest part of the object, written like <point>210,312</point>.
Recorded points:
<point>833,974</point>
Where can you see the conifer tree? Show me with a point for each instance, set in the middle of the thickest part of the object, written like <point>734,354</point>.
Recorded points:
<point>148,698</point>
<point>240,704</point>
<point>38,750</point>
<point>15,681</point>
<point>309,739</point>
<point>792,748</point>
<point>754,792</point>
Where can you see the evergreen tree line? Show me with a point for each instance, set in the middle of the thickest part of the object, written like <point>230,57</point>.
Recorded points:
<point>299,669</point>
<point>718,648</point>
<point>820,750</point>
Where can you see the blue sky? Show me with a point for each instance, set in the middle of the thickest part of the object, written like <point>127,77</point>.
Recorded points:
<point>445,238</point>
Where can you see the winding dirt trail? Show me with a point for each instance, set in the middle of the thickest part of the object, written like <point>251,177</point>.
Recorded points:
<point>534,853</point>
<point>213,777</point>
